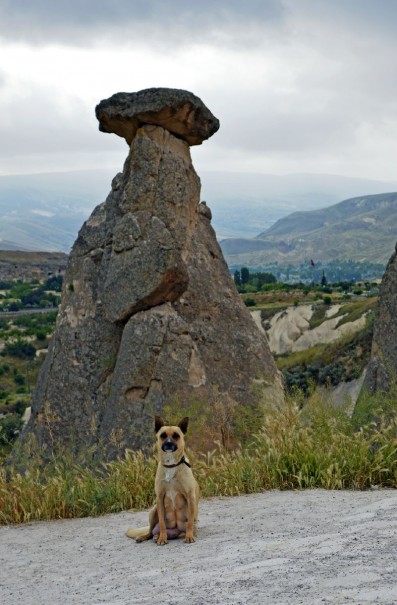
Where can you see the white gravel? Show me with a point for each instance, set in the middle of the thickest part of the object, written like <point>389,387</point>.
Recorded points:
<point>310,547</point>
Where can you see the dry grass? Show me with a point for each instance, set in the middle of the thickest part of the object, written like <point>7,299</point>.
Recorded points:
<point>313,446</point>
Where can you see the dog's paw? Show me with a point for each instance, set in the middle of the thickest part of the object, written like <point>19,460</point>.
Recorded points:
<point>189,539</point>
<point>161,539</point>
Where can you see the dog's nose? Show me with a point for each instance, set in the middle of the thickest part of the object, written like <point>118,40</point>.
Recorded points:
<point>169,445</point>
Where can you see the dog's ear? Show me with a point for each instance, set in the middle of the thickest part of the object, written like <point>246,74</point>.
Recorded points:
<point>183,425</point>
<point>158,423</point>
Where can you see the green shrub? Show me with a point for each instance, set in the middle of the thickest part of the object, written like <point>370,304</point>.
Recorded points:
<point>20,407</point>
<point>19,379</point>
<point>20,349</point>
<point>10,427</point>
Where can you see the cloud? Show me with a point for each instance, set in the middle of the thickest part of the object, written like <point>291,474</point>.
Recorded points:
<point>296,84</point>
<point>83,21</point>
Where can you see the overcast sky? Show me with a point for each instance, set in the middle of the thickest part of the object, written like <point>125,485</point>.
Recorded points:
<point>298,85</point>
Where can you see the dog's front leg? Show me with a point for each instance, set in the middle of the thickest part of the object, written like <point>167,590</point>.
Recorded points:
<point>162,537</point>
<point>191,508</point>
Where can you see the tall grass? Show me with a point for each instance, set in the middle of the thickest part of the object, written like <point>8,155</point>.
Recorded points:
<point>298,447</point>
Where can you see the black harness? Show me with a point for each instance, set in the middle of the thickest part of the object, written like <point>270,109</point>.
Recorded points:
<point>181,461</point>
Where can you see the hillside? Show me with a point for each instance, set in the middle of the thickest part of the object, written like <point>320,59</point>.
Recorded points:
<point>362,229</point>
<point>17,264</point>
<point>45,211</point>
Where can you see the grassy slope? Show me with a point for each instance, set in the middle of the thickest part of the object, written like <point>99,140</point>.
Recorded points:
<point>358,229</point>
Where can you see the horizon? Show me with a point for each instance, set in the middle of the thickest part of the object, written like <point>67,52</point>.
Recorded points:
<point>209,171</point>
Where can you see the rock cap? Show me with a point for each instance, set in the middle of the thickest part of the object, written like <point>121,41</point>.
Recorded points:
<point>178,111</point>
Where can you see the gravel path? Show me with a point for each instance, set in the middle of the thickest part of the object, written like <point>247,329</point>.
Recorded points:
<point>310,547</point>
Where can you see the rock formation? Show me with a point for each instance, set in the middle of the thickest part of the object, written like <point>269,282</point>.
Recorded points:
<point>149,311</point>
<point>383,364</point>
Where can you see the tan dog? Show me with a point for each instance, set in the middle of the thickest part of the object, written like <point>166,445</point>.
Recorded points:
<point>175,512</point>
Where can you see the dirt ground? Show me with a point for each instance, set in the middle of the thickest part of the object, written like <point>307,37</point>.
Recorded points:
<point>311,547</point>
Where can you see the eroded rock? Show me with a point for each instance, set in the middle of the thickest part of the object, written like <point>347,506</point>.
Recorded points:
<point>149,311</point>
<point>178,111</point>
<point>383,365</point>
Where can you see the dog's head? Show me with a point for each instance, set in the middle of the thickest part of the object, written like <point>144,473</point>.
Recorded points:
<point>170,439</point>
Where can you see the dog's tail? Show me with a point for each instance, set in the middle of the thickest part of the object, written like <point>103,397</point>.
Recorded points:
<point>138,532</point>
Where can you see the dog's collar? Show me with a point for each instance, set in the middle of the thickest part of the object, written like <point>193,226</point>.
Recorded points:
<point>181,461</point>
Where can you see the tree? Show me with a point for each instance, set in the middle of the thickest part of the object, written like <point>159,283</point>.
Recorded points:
<point>237,278</point>
<point>324,280</point>
<point>245,275</point>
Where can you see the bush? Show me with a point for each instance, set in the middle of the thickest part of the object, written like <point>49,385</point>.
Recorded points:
<point>20,349</point>
<point>19,379</point>
<point>20,407</point>
<point>54,283</point>
<point>10,427</point>
<point>249,302</point>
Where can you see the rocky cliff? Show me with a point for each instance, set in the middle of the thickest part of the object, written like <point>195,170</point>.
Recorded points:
<point>149,311</point>
<point>383,364</point>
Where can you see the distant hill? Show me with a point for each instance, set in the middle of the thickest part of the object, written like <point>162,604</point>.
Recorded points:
<point>25,265</point>
<point>361,229</point>
<point>45,211</point>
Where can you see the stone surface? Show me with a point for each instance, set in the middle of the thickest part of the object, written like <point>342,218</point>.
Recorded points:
<point>178,111</point>
<point>149,312</point>
<point>383,364</point>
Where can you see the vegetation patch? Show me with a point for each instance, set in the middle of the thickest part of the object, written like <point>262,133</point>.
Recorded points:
<point>328,364</point>
<point>352,311</point>
<point>319,315</point>
<point>374,408</point>
<point>297,447</point>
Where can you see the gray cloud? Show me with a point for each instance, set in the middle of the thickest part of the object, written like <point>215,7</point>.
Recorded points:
<point>311,80</point>
<point>358,14</point>
<point>81,21</point>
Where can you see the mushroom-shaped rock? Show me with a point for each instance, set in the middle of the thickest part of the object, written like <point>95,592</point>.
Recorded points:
<point>178,111</point>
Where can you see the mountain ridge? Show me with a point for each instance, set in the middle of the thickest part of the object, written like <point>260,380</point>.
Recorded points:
<point>361,228</point>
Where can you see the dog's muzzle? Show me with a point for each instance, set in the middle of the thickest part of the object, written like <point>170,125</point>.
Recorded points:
<point>169,446</point>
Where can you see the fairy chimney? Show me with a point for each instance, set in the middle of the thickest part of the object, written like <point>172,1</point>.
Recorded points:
<point>149,311</point>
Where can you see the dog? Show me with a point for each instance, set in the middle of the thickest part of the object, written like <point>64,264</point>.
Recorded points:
<point>177,493</point>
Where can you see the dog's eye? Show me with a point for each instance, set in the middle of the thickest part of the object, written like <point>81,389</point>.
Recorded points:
<point>175,436</point>
<point>163,435</point>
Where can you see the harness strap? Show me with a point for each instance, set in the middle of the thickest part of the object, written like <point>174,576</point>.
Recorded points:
<point>181,461</point>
